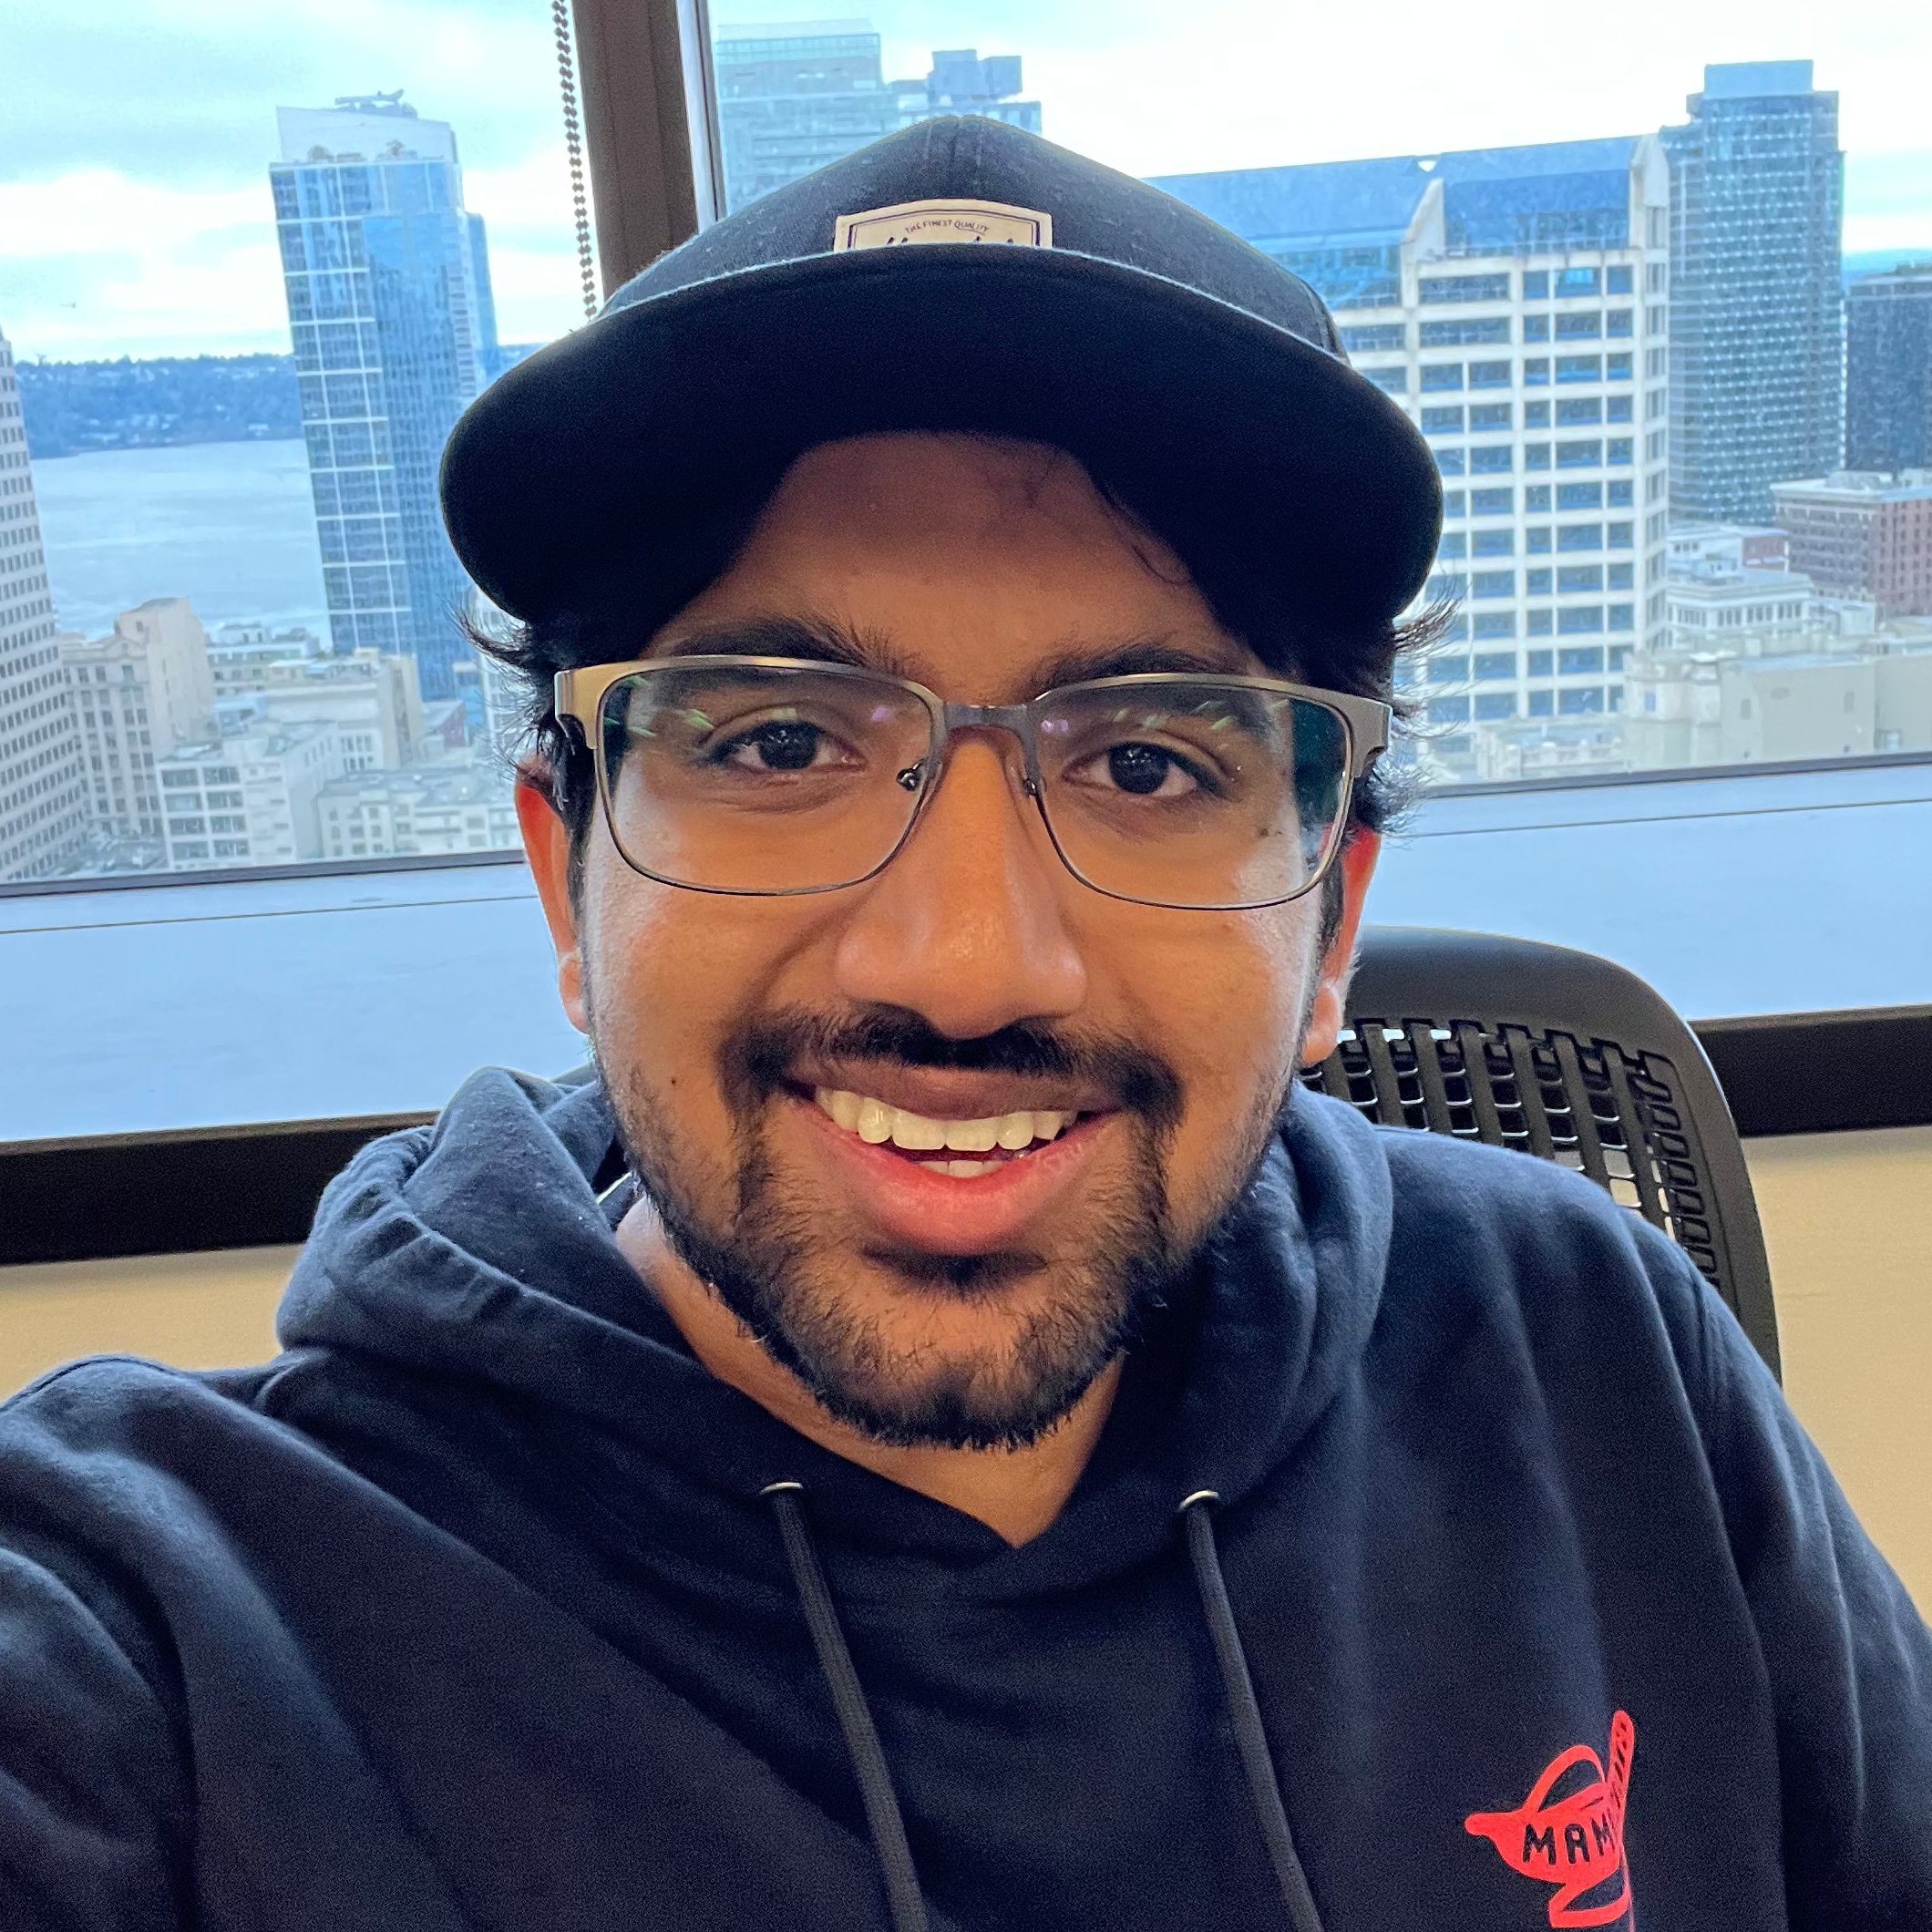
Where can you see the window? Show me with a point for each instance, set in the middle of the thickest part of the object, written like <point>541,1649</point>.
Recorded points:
<point>1449,711</point>
<point>1575,577</point>
<point>1453,543</point>
<point>1496,704</point>
<point>284,486</point>
<point>1463,288</point>
<point>1494,666</point>
<point>1493,584</point>
<point>1448,669</point>
<point>1581,661</point>
<point>1579,701</point>
<point>1464,329</point>
<point>1361,338</point>
<point>1584,618</point>
<point>1541,663</point>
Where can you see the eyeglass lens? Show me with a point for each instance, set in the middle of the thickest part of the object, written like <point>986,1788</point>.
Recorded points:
<point>769,779</point>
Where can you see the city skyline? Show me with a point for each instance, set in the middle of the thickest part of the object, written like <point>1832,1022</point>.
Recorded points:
<point>145,231</point>
<point>1440,265</point>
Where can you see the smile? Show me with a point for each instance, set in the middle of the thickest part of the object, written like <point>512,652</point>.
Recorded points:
<point>1004,1138</point>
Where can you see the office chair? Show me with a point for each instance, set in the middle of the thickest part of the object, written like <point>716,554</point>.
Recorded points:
<point>1566,1056</point>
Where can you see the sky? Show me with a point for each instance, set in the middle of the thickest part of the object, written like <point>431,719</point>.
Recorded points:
<point>135,135</point>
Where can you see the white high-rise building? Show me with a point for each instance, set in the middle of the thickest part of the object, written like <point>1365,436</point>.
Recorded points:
<point>1515,301</point>
<point>43,797</point>
<point>249,799</point>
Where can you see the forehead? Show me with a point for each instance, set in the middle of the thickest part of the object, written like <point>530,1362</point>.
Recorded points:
<point>971,564</point>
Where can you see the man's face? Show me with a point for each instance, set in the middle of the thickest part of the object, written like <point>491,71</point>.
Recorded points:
<point>1131,1059</point>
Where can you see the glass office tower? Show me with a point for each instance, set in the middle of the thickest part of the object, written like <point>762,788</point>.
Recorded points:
<point>394,331</point>
<point>792,99</point>
<point>1888,370</point>
<point>1757,304</point>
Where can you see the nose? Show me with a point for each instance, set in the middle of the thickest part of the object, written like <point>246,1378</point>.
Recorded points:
<point>966,927</point>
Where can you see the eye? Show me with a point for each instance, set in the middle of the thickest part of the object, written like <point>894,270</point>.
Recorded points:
<point>779,744</point>
<point>1142,771</point>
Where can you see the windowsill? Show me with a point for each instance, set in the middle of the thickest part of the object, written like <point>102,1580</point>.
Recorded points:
<point>374,990</point>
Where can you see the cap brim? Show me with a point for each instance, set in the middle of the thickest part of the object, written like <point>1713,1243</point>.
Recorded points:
<point>580,460</point>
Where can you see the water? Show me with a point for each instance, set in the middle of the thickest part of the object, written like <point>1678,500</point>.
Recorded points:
<point>229,526</point>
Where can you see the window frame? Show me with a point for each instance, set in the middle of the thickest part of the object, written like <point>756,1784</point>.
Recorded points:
<point>654,161</point>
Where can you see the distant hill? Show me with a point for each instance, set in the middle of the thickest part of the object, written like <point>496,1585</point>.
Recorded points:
<point>1879,261</point>
<point>71,407</point>
<point>74,406</point>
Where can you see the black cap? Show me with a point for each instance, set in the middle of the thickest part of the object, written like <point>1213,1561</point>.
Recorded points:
<point>1069,304</point>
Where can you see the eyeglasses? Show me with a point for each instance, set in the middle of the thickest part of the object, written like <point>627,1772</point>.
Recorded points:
<point>773,776</point>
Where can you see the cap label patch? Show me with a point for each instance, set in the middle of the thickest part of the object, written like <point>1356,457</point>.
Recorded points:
<point>909,222</point>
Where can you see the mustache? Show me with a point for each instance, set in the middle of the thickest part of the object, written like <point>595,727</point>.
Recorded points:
<point>757,1057</point>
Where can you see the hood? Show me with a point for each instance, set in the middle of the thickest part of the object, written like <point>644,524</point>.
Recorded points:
<point>476,1252</point>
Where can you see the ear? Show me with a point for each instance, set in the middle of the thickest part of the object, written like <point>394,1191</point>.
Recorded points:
<point>547,846</point>
<point>1325,1012</point>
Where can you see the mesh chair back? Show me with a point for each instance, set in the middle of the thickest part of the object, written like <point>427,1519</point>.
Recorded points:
<point>1567,1057</point>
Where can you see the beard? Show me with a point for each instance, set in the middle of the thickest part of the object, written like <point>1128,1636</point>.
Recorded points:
<point>781,1261</point>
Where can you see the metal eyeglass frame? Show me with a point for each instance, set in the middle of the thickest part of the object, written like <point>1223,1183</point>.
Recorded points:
<point>577,697</point>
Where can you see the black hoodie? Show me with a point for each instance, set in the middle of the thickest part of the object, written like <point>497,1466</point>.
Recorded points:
<point>468,1611</point>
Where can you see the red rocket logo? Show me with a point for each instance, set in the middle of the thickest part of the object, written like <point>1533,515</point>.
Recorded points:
<point>1569,1832</point>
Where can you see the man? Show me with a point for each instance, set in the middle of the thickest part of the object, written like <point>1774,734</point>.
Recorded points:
<point>940,1432</point>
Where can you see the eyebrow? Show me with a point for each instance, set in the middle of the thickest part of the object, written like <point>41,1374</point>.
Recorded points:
<point>817,638</point>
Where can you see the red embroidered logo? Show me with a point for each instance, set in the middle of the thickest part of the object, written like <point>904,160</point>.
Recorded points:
<point>1573,1841</point>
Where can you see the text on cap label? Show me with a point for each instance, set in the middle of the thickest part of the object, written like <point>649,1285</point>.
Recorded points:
<point>908,221</point>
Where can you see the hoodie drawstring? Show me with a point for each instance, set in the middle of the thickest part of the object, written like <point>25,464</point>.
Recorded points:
<point>907,1909</point>
<point>883,1818</point>
<point>1250,1739</point>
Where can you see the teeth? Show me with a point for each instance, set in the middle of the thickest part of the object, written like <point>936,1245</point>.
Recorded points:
<point>875,1122</point>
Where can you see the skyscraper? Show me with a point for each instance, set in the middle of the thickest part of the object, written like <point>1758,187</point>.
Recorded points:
<point>791,98</point>
<point>1500,294</point>
<point>1757,202</point>
<point>395,332</point>
<point>1888,370</point>
<point>43,786</point>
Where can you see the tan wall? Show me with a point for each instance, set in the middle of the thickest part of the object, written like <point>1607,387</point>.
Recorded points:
<point>1847,1217</point>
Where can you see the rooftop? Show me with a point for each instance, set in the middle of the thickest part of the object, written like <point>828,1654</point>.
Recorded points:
<point>1880,485</point>
<point>1338,204</point>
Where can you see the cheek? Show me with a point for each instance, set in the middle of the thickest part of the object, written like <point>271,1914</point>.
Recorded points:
<point>1221,996</point>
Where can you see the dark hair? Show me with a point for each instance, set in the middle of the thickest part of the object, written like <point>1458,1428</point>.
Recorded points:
<point>1270,610</point>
